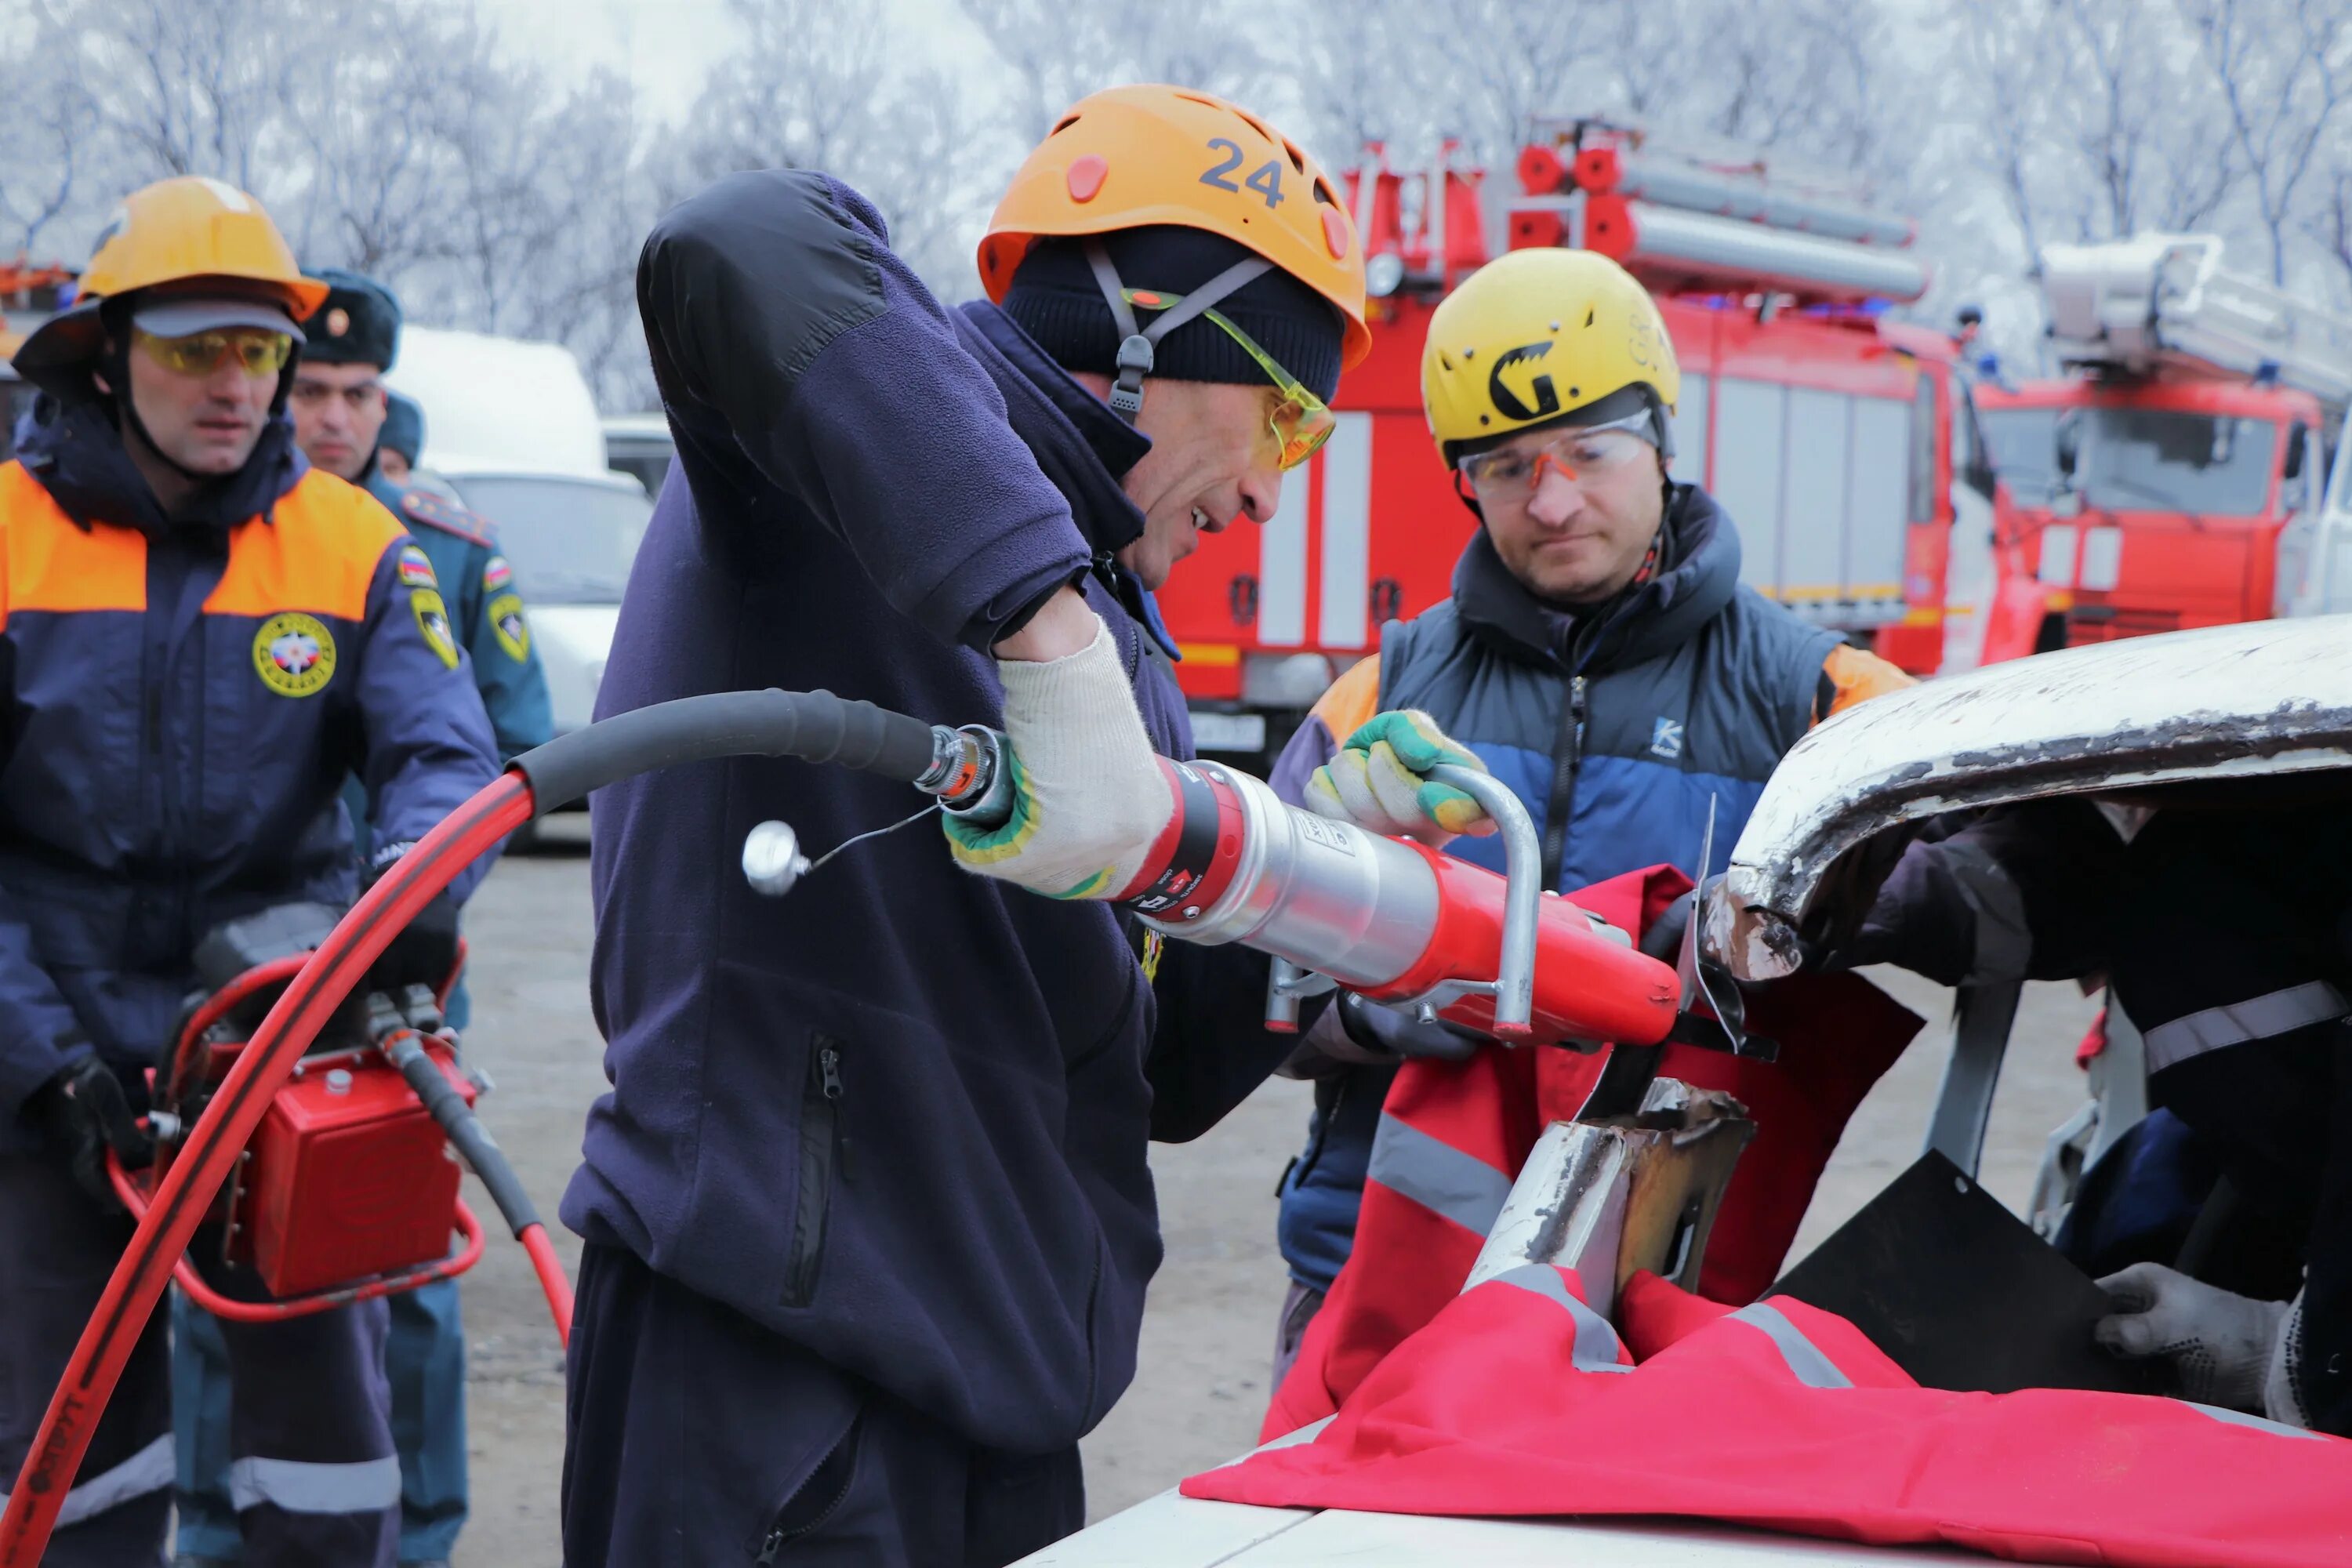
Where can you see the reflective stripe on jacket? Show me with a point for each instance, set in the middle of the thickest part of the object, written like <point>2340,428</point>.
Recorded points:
<point>181,707</point>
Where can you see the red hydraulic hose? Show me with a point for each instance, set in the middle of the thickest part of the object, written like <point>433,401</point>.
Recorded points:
<point>551,1277</point>
<point>213,1145</point>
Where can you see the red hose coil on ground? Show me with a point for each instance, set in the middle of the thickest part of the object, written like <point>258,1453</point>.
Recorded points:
<point>227,1124</point>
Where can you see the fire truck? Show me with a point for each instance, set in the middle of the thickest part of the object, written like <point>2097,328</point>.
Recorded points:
<point>1824,427</point>
<point>2175,476</point>
<point>29,295</point>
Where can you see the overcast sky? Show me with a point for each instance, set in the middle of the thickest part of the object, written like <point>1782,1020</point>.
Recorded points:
<point>666,45</point>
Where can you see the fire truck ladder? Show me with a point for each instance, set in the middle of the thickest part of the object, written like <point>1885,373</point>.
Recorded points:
<point>2165,300</point>
<point>1711,217</point>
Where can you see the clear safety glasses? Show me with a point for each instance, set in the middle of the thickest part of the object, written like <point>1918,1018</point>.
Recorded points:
<point>1582,453</point>
<point>256,352</point>
<point>1301,422</point>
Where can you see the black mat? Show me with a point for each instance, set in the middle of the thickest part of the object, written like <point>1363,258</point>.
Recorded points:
<point>1960,1293</point>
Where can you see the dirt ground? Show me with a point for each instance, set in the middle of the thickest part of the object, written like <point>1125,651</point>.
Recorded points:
<point>1209,1329</point>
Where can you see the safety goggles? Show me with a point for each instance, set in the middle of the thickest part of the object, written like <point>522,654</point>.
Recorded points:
<point>1301,422</point>
<point>1581,454</point>
<point>257,352</point>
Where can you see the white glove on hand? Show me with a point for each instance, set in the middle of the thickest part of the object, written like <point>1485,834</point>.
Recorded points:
<point>1088,796</point>
<point>2220,1343</point>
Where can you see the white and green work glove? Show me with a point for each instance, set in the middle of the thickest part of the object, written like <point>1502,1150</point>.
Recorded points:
<point>1088,796</point>
<point>1378,780</point>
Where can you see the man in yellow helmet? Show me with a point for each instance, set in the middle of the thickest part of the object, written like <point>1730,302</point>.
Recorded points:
<point>1599,654</point>
<point>201,636</point>
<point>868,1211</point>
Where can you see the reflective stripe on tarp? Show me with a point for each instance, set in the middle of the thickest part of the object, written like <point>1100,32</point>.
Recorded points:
<point>2259,1017</point>
<point>1805,1359</point>
<point>1438,1176</point>
<point>1489,1412</point>
<point>1596,1347</point>
<point>364,1486</point>
<point>150,1469</point>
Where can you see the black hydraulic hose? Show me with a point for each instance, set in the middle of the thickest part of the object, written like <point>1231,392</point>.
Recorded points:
<point>815,726</point>
<point>465,1132</point>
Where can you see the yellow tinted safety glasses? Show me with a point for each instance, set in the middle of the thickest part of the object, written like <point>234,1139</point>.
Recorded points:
<point>1301,422</point>
<point>256,352</point>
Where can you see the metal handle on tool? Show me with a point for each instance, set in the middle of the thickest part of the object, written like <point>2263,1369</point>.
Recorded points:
<point>1515,981</point>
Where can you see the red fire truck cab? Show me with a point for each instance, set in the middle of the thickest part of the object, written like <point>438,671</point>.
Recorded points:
<point>2150,490</point>
<point>1824,429</point>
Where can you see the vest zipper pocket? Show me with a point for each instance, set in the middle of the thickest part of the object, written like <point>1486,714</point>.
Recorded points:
<point>820,1150</point>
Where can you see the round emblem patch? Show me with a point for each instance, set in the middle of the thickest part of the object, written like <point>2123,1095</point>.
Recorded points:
<point>294,653</point>
<point>513,632</point>
<point>433,620</point>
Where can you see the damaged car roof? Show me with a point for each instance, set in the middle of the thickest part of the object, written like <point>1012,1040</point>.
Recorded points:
<point>2258,698</point>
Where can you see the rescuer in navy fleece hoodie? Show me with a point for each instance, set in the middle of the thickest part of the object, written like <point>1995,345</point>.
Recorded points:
<point>867,1211</point>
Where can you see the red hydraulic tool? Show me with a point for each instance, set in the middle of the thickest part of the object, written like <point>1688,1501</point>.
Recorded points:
<point>1334,905</point>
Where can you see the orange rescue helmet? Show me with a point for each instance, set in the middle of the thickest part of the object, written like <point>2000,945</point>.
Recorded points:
<point>189,234</point>
<point>1129,157</point>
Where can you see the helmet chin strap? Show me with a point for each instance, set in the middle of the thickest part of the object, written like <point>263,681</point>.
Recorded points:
<point>1138,345</point>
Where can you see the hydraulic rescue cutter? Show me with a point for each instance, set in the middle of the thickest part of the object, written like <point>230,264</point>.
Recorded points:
<point>282,1113</point>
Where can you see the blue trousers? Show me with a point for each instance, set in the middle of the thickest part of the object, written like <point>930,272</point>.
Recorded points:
<point>307,1469</point>
<point>425,1361</point>
<point>694,1437</point>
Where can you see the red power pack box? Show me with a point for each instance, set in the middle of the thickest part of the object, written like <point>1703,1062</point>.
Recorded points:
<point>350,1176</point>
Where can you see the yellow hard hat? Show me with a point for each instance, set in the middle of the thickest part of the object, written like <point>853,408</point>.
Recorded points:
<point>179,233</point>
<point>1129,157</point>
<point>1536,337</point>
<point>181,229</point>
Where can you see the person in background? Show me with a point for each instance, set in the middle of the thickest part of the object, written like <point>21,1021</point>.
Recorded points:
<point>1599,654</point>
<point>400,440</point>
<point>340,409</point>
<point>201,637</point>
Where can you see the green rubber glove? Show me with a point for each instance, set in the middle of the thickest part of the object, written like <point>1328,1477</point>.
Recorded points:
<point>1377,781</point>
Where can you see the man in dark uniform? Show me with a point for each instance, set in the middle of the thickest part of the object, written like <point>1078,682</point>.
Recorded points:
<point>341,409</point>
<point>868,1211</point>
<point>200,638</point>
<point>339,404</point>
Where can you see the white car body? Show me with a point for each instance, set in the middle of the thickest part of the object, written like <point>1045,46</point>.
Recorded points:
<point>499,402</point>
<point>574,627</point>
<point>1173,1531</point>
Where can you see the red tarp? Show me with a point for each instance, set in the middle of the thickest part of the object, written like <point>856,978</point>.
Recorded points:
<point>1838,1033</point>
<point>1519,1400</point>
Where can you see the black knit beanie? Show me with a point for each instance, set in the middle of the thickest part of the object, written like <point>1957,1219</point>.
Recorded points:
<point>1056,300</point>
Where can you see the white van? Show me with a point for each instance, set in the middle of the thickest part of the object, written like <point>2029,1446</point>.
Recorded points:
<point>512,431</point>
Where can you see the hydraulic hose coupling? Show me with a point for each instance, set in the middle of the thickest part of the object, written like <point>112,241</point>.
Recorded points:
<point>969,776</point>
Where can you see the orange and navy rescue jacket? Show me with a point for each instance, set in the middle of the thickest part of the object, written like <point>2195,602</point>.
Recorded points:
<point>182,701</point>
